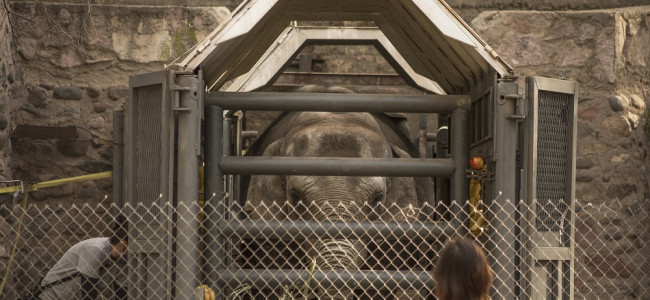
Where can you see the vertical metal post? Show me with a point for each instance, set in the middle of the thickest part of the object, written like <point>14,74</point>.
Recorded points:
<point>503,208</point>
<point>442,151</point>
<point>187,187</point>
<point>238,149</point>
<point>214,253</point>
<point>225,203</point>
<point>459,133</point>
<point>118,141</point>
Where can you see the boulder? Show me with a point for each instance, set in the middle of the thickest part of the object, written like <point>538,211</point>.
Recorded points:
<point>36,96</point>
<point>619,126</point>
<point>95,166</point>
<point>99,107</point>
<point>117,93</point>
<point>93,91</point>
<point>68,93</point>
<point>618,102</point>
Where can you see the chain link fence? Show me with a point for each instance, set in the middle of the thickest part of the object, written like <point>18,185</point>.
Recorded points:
<point>331,251</point>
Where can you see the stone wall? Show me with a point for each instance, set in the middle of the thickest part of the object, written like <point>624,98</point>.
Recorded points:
<point>10,90</point>
<point>607,53</point>
<point>77,60</point>
<point>468,9</point>
<point>11,87</point>
<point>230,4</point>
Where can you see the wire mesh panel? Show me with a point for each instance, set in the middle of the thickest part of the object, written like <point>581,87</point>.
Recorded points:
<point>553,152</point>
<point>148,132</point>
<point>147,108</point>
<point>385,252</point>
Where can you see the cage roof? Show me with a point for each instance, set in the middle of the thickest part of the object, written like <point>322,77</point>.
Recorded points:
<point>426,41</point>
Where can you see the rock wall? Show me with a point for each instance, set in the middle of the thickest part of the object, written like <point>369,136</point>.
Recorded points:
<point>77,60</point>
<point>468,9</point>
<point>11,86</point>
<point>607,53</point>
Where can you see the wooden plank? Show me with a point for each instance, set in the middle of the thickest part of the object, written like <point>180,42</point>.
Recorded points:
<point>329,16</point>
<point>452,48</point>
<point>238,57</point>
<point>330,7</point>
<point>417,79</point>
<point>269,67</point>
<point>271,63</point>
<point>480,50</point>
<point>419,59</point>
<point>46,132</point>
<point>430,45</point>
<point>405,48</point>
<point>245,11</point>
<point>430,39</point>
<point>468,52</point>
<point>427,49</point>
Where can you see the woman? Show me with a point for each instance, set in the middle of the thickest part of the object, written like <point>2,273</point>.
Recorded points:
<point>462,272</point>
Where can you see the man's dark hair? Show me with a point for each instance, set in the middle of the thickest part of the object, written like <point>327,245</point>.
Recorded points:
<point>120,231</point>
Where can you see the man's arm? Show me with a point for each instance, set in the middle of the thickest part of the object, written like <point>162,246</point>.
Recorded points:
<point>90,260</point>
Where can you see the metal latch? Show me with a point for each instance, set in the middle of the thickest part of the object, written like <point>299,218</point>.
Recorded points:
<point>177,89</point>
<point>519,110</point>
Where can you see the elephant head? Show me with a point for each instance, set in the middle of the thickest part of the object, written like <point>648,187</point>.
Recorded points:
<point>334,198</point>
<point>348,198</point>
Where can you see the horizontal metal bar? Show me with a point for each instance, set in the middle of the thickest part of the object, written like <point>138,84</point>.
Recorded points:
<point>337,102</point>
<point>330,166</point>
<point>298,229</point>
<point>325,279</point>
<point>552,253</point>
<point>346,79</point>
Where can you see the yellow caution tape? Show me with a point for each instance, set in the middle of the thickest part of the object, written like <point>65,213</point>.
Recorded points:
<point>5,278</point>
<point>51,183</point>
<point>45,184</point>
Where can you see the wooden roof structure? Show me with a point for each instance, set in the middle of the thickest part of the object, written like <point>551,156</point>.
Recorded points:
<point>424,40</point>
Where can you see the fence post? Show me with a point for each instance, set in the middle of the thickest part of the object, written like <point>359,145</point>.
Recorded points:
<point>214,253</point>
<point>503,208</point>
<point>459,133</point>
<point>187,188</point>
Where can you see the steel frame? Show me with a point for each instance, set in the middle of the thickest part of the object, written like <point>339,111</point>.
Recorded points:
<point>453,167</point>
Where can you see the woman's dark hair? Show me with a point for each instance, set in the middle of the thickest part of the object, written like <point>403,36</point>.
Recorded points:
<point>462,272</point>
<point>120,231</point>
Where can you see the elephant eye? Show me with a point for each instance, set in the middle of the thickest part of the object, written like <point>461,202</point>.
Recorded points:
<point>295,197</point>
<point>377,199</point>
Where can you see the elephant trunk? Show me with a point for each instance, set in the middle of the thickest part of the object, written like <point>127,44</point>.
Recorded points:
<point>337,254</point>
<point>340,255</point>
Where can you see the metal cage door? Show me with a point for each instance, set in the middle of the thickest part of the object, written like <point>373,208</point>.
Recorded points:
<point>550,154</point>
<point>147,136</point>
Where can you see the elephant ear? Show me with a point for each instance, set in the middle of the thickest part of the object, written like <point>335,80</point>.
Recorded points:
<point>266,193</point>
<point>401,195</point>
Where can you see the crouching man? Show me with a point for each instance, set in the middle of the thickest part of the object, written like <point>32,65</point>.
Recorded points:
<point>78,273</point>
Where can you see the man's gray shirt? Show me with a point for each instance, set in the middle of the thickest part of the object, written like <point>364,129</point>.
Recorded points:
<point>85,257</point>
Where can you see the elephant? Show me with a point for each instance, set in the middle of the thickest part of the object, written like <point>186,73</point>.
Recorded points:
<point>334,198</point>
